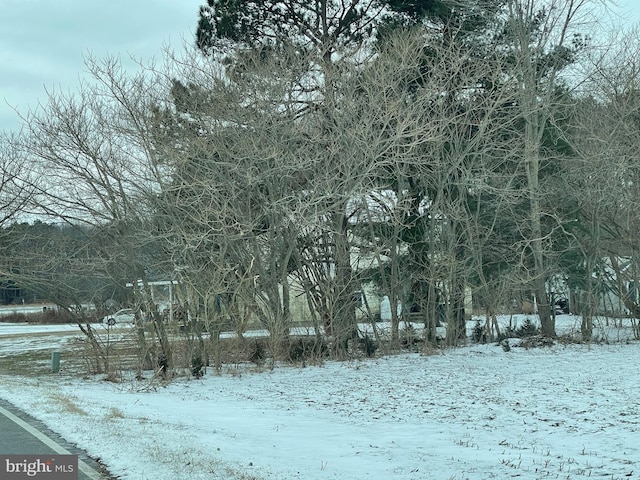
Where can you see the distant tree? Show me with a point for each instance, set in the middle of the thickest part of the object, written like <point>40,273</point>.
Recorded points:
<point>55,262</point>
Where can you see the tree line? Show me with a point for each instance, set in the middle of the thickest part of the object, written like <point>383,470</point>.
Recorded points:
<point>306,149</point>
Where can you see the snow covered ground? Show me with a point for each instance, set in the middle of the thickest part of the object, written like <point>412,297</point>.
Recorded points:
<point>479,412</point>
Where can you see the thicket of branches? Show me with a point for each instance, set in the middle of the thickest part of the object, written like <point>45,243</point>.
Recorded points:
<point>307,151</point>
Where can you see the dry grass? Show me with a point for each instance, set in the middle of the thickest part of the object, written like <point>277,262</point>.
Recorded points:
<point>117,352</point>
<point>46,317</point>
<point>115,413</point>
<point>29,364</point>
<point>68,404</point>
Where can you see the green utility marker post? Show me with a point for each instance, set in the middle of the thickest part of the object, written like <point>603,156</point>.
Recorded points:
<point>55,361</point>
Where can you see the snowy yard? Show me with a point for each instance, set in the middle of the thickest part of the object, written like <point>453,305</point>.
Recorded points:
<point>568,412</point>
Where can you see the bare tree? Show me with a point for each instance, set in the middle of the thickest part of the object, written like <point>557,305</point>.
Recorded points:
<point>543,39</point>
<point>607,145</point>
<point>15,182</point>
<point>96,168</point>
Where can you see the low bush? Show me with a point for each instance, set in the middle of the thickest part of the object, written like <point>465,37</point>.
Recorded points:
<point>479,334</point>
<point>528,329</point>
<point>369,346</point>
<point>536,341</point>
<point>306,349</point>
<point>197,366</point>
<point>258,352</point>
<point>409,338</point>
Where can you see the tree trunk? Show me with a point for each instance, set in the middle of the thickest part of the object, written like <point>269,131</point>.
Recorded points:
<point>343,323</point>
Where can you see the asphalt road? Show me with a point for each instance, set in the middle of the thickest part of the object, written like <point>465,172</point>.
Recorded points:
<point>24,435</point>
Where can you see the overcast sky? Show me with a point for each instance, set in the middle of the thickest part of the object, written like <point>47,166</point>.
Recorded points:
<point>43,42</point>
